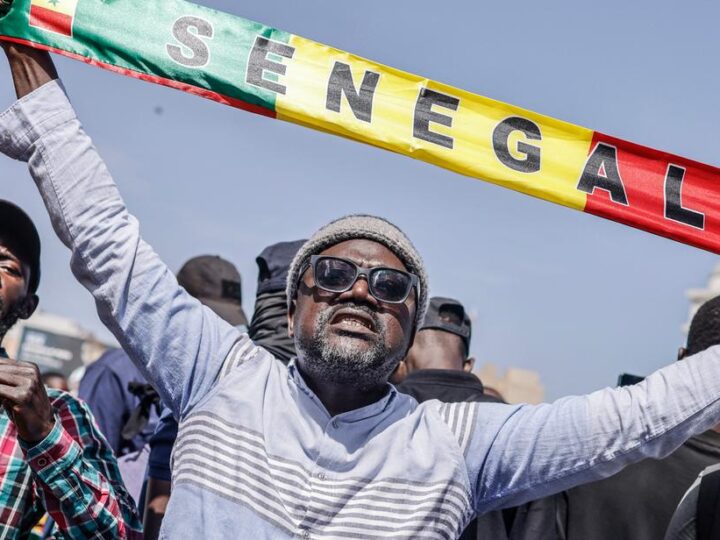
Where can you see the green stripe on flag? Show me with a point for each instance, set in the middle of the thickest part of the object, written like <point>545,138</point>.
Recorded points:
<point>122,35</point>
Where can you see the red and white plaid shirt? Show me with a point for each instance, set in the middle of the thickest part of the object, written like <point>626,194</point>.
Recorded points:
<point>72,475</point>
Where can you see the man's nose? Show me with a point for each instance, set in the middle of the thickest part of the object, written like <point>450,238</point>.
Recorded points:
<point>360,292</point>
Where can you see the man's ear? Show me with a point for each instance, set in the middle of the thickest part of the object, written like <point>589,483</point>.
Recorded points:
<point>411,342</point>
<point>682,353</point>
<point>28,306</point>
<point>469,364</point>
<point>291,318</point>
<point>400,373</point>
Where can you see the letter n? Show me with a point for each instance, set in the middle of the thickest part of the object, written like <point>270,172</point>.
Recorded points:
<point>360,101</point>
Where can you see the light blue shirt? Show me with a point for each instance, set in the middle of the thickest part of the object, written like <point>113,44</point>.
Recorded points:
<point>258,456</point>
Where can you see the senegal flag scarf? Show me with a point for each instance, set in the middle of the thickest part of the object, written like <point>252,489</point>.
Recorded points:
<point>270,72</point>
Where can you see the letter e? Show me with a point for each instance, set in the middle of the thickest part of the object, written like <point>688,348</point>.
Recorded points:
<point>259,63</point>
<point>424,115</point>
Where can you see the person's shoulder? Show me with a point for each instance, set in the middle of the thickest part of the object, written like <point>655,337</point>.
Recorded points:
<point>106,362</point>
<point>405,399</point>
<point>114,359</point>
<point>116,364</point>
<point>246,355</point>
<point>712,469</point>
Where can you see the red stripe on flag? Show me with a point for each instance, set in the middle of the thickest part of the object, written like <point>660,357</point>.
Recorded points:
<point>48,19</point>
<point>654,199</point>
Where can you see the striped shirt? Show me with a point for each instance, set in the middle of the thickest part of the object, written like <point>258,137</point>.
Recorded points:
<point>259,457</point>
<point>71,474</point>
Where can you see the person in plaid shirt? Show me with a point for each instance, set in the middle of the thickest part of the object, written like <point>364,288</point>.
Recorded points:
<point>53,458</point>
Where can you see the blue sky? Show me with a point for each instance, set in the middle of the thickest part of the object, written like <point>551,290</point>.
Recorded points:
<point>574,297</point>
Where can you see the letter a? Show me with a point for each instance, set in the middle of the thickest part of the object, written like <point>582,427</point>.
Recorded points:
<point>601,171</point>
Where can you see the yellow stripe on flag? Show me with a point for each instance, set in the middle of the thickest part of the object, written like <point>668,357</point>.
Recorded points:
<point>564,146</point>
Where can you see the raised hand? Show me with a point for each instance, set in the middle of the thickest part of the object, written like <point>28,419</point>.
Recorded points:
<point>25,400</point>
<point>31,68</point>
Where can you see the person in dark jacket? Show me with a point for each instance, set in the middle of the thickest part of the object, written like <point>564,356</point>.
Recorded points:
<point>638,503</point>
<point>439,366</point>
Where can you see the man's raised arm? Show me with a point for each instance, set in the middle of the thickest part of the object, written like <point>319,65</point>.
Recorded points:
<point>526,452</point>
<point>176,342</point>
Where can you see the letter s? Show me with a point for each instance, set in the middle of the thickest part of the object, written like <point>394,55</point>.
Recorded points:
<point>191,40</point>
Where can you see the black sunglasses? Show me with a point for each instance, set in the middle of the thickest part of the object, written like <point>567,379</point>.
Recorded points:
<point>337,275</point>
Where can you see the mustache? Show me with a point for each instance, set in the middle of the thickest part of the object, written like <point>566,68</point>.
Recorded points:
<point>330,313</point>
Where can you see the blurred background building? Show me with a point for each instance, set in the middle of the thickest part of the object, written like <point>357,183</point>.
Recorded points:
<point>515,385</point>
<point>54,343</point>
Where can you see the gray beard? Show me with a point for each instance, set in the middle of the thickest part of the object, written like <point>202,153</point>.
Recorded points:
<point>343,362</point>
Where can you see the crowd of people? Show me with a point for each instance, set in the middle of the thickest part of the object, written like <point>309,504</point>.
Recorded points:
<point>345,407</point>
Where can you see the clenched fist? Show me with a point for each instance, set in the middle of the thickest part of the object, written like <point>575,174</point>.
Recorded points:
<point>25,400</point>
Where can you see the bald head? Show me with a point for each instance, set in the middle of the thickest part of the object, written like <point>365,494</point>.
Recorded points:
<point>438,349</point>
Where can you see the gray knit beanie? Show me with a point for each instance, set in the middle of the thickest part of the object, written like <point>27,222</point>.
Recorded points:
<point>366,227</point>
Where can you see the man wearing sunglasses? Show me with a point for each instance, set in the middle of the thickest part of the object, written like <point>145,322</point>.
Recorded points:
<point>324,448</point>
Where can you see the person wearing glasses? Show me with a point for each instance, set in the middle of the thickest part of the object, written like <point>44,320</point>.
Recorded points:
<point>325,447</point>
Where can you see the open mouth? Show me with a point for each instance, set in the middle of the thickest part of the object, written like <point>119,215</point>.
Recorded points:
<point>353,320</point>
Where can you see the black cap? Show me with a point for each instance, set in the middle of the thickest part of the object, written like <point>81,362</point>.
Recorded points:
<point>17,229</point>
<point>216,283</point>
<point>448,315</point>
<point>273,264</point>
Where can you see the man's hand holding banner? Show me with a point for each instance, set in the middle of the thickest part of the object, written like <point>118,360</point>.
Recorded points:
<point>281,75</point>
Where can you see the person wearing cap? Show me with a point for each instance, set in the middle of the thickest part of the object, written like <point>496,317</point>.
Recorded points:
<point>438,365</point>
<point>52,457</point>
<point>324,447</point>
<point>269,326</point>
<point>216,283</point>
